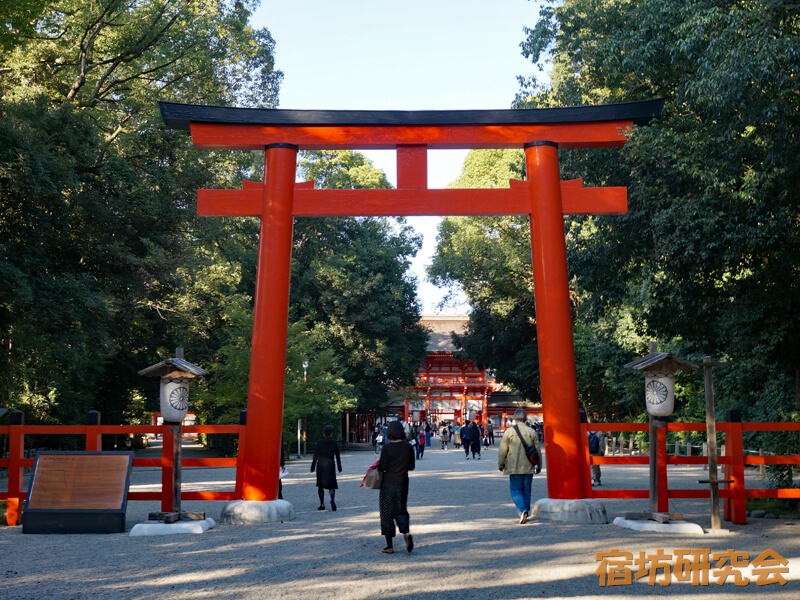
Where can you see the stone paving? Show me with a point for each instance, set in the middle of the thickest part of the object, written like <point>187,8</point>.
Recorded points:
<point>468,545</point>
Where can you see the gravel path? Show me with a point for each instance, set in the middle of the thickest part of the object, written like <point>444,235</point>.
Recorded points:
<point>468,545</point>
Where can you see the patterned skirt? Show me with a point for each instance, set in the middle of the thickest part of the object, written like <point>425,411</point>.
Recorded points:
<point>392,502</point>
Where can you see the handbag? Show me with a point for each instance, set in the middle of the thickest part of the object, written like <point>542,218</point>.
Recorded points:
<point>373,478</point>
<point>530,451</point>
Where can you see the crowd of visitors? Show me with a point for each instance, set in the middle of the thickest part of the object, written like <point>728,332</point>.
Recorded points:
<point>400,444</point>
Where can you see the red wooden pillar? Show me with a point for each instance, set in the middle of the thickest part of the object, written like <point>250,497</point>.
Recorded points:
<point>565,464</point>
<point>16,451</point>
<point>240,453</point>
<point>94,441</point>
<point>586,457</point>
<point>167,469</point>
<point>485,411</point>
<point>270,319</point>
<point>661,460</point>
<point>734,447</point>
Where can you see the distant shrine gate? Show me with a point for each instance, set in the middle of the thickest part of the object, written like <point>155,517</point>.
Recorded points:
<point>544,197</point>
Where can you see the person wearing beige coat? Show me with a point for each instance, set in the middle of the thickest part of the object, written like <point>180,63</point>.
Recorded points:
<point>512,460</point>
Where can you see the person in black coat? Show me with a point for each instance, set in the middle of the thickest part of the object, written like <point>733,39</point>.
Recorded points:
<point>475,439</point>
<point>397,459</point>
<point>466,437</point>
<point>324,452</point>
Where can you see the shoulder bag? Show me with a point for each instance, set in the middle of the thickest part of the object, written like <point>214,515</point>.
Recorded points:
<point>530,451</point>
<point>373,478</point>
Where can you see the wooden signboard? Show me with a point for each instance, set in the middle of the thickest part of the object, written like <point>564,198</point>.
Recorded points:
<point>78,492</point>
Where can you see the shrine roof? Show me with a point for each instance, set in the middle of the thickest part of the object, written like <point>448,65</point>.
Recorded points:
<point>440,329</point>
<point>179,116</point>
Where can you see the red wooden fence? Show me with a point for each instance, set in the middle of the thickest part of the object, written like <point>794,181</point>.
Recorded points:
<point>734,461</point>
<point>16,461</point>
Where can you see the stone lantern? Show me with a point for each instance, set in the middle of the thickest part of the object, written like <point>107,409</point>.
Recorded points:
<point>659,386</point>
<point>175,374</point>
<point>659,369</point>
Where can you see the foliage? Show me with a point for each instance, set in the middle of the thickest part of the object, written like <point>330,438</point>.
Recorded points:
<point>100,246</point>
<point>349,284</point>
<point>490,260</point>
<point>120,56</point>
<point>705,258</point>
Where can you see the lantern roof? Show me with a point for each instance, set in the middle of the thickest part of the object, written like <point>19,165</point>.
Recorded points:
<point>174,367</point>
<point>661,361</point>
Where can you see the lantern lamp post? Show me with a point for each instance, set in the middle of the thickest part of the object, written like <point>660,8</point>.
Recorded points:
<point>659,395</point>
<point>175,374</point>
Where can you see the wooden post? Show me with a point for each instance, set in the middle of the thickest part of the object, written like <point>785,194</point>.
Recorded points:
<point>240,452</point>
<point>736,452</point>
<point>653,465</point>
<point>663,488</point>
<point>16,448</point>
<point>167,466</point>
<point>711,435</point>
<point>94,442</point>
<point>177,443</point>
<point>587,458</point>
<point>762,469</point>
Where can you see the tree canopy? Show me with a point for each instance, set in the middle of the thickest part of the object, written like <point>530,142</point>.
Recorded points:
<point>105,267</point>
<point>705,259</point>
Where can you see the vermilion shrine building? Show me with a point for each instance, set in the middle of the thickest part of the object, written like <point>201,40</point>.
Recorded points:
<point>543,196</point>
<point>451,389</point>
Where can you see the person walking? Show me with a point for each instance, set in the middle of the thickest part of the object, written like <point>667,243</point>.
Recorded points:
<point>421,442</point>
<point>280,474</point>
<point>377,439</point>
<point>397,459</point>
<point>444,436</point>
<point>326,450</point>
<point>466,436</point>
<point>475,439</point>
<point>490,430</point>
<point>597,443</point>
<point>513,461</point>
<point>428,433</point>
<point>457,436</point>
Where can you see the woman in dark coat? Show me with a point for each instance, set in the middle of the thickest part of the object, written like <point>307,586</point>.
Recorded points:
<point>397,459</point>
<point>475,440</point>
<point>326,449</point>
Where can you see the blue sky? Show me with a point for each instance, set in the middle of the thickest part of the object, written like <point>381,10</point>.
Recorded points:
<point>405,55</point>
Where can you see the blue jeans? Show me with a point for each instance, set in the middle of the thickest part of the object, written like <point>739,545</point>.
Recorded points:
<point>521,491</point>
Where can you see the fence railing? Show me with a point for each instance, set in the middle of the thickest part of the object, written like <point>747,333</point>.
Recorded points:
<point>16,461</point>
<point>734,460</point>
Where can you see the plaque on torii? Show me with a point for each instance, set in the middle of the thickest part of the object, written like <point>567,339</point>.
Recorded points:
<point>543,196</point>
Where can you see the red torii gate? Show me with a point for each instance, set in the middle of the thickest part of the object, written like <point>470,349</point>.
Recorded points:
<point>541,132</point>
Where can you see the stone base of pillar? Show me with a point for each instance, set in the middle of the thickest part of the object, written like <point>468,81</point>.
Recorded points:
<point>253,512</point>
<point>571,511</point>
<point>671,527</point>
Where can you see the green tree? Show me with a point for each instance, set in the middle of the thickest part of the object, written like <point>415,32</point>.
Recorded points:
<point>489,259</point>
<point>349,284</point>
<point>100,245</point>
<point>707,251</point>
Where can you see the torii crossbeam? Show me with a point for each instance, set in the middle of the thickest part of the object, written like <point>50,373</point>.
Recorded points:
<point>276,200</point>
